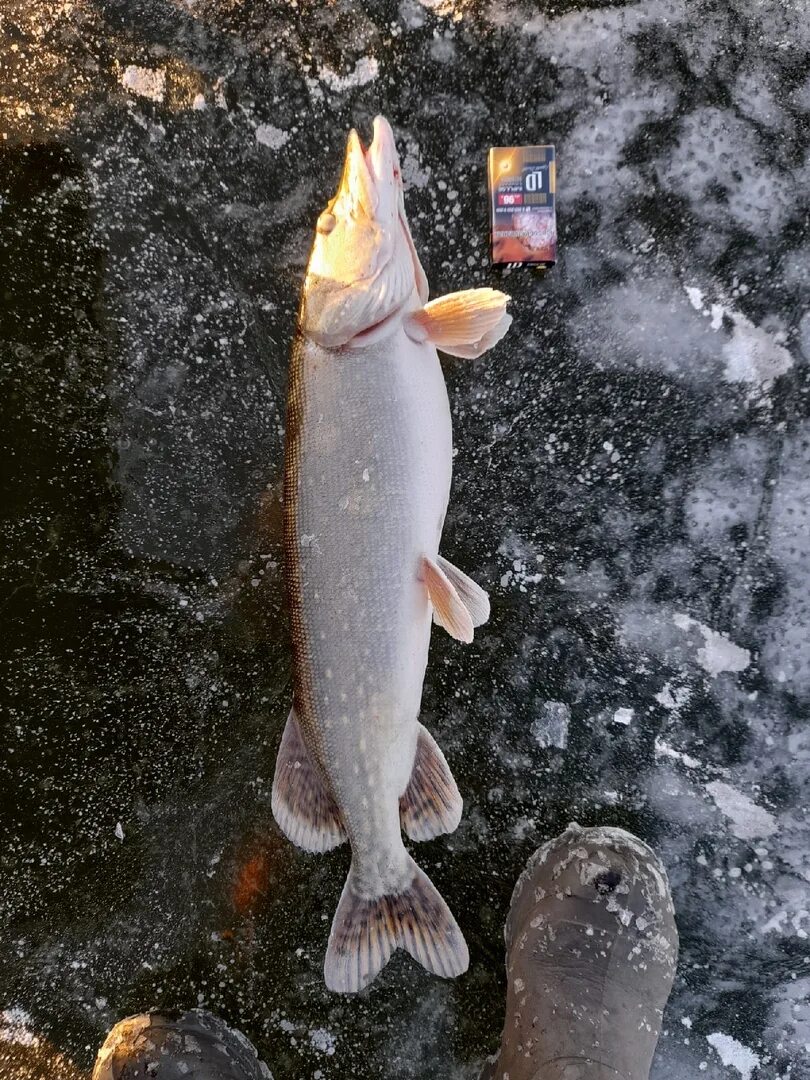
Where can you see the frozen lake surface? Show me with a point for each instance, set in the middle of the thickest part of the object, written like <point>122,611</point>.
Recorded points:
<point>632,486</point>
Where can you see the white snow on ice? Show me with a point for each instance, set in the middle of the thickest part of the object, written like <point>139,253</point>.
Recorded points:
<point>734,1053</point>
<point>673,698</point>
<point>15,1027</point>
<point>783,922</point>
<point>521,554</point>
<point>749,820</point>
<point>550,728</point>
<point>323,1041</point>
<point>751,354</point>
<point>365,71</point>
<point>271,136</point>
<point>145,82</point>
<point>663,749</point>
<point>719,653</point>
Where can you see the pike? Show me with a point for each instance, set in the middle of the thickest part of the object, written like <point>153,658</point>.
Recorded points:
<point>367,471</point>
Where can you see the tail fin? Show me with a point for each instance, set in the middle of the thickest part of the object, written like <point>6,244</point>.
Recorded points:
<point>365,933</point>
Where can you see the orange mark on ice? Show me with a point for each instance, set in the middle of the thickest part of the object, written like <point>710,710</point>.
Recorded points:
<point>251,882</point>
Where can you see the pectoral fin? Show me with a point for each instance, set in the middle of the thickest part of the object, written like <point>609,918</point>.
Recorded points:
<point>303,806</point>
<point>472,595</point>
<point>463,323</point>
<point>431,804</point>
<point>449,609</point>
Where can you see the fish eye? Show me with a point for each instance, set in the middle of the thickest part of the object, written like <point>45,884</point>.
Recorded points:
<point>326,222</point>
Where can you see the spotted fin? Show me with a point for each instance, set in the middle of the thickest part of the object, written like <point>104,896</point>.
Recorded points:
<point>365,932</point>
<point>449,609</point>
<point>463,323</point>
<point>470,592</point>
<point>431,804</point>
<point>303,806</point>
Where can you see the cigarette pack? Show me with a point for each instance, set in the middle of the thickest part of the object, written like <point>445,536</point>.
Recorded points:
<point>522,197</point>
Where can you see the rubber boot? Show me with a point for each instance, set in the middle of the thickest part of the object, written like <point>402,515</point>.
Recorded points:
<point>591,950</point>
<point>197,1046</point>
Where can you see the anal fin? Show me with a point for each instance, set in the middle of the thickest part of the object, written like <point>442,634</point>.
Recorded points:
<point>303,806</point>
<point>465,323</point>
<point>431,804</point>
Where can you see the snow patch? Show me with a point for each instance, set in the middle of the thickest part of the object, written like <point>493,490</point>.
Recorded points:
<point>271,136</point>
<point>646,322</point>
<point>323,1041</point>
<point>782,922</point>
<point>734,1053</point>
<point>714,154</point>
<point>145,82</point>
<point>663,749</point>
<point>15,1027</point>
<point>748,819</point>
<point>550,728</point>
<point>522,556</point>
<point>695,296</point>
<point>751,354</point>
<point>413,175</point>
<point>719,653</point>
<point>673,698</point>
<point>365,71</point>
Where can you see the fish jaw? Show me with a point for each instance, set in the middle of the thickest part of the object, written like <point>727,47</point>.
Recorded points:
<point>363,272</point>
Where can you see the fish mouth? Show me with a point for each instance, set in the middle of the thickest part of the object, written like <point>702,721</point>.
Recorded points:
<point>371,178</point>
<point>371,185</point>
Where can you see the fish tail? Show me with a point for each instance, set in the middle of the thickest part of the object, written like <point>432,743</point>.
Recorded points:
<point>365,932</point>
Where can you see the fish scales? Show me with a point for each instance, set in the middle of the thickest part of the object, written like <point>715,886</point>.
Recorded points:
<point>368,476</point>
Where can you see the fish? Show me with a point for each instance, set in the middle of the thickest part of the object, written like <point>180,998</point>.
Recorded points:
<point>367,472</point>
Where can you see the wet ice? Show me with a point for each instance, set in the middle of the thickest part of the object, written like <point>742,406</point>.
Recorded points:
<point>147,658</point>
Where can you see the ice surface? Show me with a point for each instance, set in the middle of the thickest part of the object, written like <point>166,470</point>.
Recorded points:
<point>631,486</point>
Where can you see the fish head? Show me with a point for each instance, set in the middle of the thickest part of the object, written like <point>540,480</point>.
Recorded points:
<point>363,271</point>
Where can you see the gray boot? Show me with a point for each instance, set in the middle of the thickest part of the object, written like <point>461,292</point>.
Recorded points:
<point>591,949</point>
<point>197,1046</point>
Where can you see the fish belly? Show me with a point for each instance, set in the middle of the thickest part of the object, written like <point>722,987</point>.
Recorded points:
<point>367,480</point>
